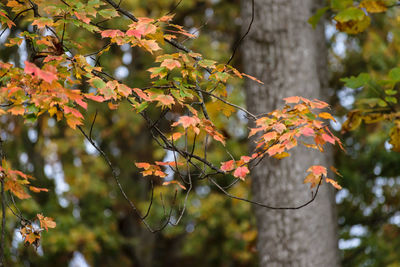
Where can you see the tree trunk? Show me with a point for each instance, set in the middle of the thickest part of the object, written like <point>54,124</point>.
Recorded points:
<point>289,56</point>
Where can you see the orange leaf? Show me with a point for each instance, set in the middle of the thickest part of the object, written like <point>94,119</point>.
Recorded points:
<point>171,64</point>
<point>175,182</point>
<point>292,100</point>
<point>317,170</point>
<point>143,165</point>
<point>46,222</point>
<point>326,115</point>
<point>334,183</point>
<point>313,179</point>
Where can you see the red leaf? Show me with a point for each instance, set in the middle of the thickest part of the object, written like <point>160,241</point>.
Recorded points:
<point>328,138</point>
<point>134,32</point>
<point>111,33</point>
<point>245,159</point>
<point>241,172</point>
<point>228,166</point>
<point>307,131</point>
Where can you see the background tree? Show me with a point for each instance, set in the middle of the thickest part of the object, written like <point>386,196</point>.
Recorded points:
<point>285,52</point>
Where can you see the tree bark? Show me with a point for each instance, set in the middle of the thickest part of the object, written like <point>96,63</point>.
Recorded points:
<point>289,56</point>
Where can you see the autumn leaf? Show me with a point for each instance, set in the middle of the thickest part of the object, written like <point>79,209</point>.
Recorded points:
<point>111,33</point>
<point>241,172</point>
<point>318,170</point>
<point>171,64</point>
<point>174,182</point>
<point>282,155</point>
<point>333,182</point>
<point>46,222</point>
<point>312,179</point>
<point>143,165</point>
<point>352,20</point>
<point>326,115</point>
<point>328,138</point>
<point>165,100</point>
<point>292,100</point>
<point>373,6</point>
<point>228,166</point>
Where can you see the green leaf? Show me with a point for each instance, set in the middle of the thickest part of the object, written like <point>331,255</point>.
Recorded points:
<point>356,82</point>
<point>390,92</point>
<point>394,74</point>
<point>317,16</point>
<point>349,14</point>
<point>98,83</point>
<point>341,4</point>
<point>391,99</point>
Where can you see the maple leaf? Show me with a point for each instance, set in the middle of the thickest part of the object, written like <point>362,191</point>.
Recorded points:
<point>313,179</point>
<point>269,136</point>
<point>17,110</point>
<point>292,100</point>
<point>47,76</point>
<point>171,64</point>
<point>175,182</point>
<point>124,90</point>
<point>278,148</point>
<point>46,222</point>
<point>97,98</point>
<point>142,94</point>
<point>335,171</point>
<point>228,166</point>
<point>165,100</point>
<point>333,182</point>
<point>252,78</point>
<point>82,16</point>
<point>282,155</point>
<point>143,165</point>
<point>374,6</point>
<point>134,32</point>
<point>241,172</point>
<point>245,159</point>
<point>187,121</point>
<point>111,33</point>
<point>317,170</point>
<point>307,131</point>
<point>326,115</point>
<point>73,121</point>
<point>38,189</point>
<point>328,138</point>
<point>279,127</point>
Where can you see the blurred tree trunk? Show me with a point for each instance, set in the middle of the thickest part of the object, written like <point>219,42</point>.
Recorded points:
<point>289,56</point>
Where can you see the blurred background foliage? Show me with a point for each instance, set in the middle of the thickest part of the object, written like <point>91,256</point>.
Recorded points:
<point>95,225</point>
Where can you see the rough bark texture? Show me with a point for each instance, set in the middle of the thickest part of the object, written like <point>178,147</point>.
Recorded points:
<point>290,58</point>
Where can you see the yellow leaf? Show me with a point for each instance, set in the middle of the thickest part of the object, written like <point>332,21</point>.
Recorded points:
<point>282,155</point>
<point>326,115</point>
<point>373,6</point>
<point>395,138</point>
